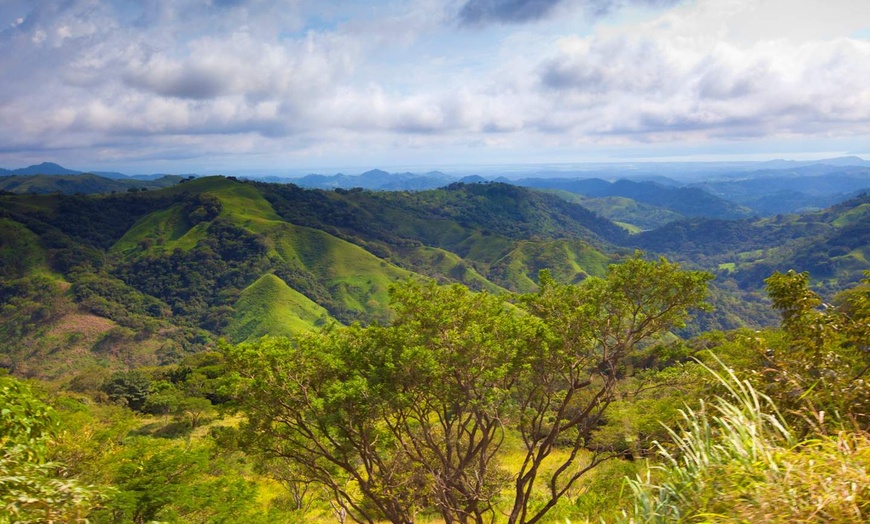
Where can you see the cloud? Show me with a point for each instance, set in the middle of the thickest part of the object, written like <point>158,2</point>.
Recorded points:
<point>482,12</point>
<point>657,87</point>
<point>267,79</point>
<point>505,11</point>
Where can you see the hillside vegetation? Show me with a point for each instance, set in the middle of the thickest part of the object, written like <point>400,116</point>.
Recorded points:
<point>469,407</point>
<point>478,353</point>
<point>162,273</point>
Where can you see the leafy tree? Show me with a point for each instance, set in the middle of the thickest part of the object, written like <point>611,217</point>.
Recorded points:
<point>33,489</point>
<point>593,327</point>
<point>167,480</point>
<point>131,387</point>
<point>400,419</point>
<point>815,367</point>
<point>309,402</point>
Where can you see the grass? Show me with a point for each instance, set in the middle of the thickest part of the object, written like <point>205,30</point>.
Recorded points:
<point>631,228</point>
<point>736,460</point>
<point>567,260</point>
<point>269,306</point>
<point>170,225</point>
<point>20,251</point>
<point>353,275</point>
<point>857,214</point>
<point>240,204</point>
<point>433,261</point>
<point>483,248</point>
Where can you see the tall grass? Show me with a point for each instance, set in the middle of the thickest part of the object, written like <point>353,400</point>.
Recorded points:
<point>737,460</point>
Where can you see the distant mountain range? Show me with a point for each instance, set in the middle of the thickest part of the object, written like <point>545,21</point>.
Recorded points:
<point>727,191</point>
<point>52,169</point>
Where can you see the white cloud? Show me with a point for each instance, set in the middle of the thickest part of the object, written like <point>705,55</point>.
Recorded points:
<point>680,75</point>
<point>262,78</point>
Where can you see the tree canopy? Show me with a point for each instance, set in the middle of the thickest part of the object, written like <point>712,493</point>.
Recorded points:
<point>414,416</point>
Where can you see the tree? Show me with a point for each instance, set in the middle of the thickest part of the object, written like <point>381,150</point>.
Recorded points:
<point>172,481</point>
<point>816,365</point>
<point>33,489</point>
<point>308,401</point>
<point>413,416</point>
<point>593,327</point>
<point>130,387</point>
<point>452,360</point>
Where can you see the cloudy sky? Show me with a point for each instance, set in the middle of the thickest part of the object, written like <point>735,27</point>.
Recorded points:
<point>306,85</point>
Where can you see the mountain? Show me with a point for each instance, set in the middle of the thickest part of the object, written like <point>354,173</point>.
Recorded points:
<point>376,179</point>
<point>786,191</point>
<point>686,201</point>
<point>832,244</point>
<point>45,168</point>
<point>111,174</point>
<point>633,215</point>
<point>50,168</point>
<point>147,277</point>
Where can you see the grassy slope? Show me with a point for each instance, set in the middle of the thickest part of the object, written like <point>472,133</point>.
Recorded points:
<point>567,260</point>
<point>435,262</point>
<point>172,229</point>
<point>20,252</point>
<point>270,307</point>
<point>352,275</point>
<point>633,215</point>
<point>856,214</point>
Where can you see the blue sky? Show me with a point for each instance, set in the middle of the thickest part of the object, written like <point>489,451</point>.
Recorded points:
<point>214,86</point>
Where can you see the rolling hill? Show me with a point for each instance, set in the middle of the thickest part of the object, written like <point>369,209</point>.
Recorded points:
<point>81,183</point>
<point>149,277</point>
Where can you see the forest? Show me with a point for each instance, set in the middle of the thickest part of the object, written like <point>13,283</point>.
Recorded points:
<point>225,350</point>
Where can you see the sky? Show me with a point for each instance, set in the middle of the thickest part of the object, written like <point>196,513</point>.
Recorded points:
<point>229,86</point>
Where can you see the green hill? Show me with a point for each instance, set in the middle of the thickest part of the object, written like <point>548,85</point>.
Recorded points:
<point>832,244</point>
<point>629,213</point>
<point>270,307</point>
<point>567,260</point>
<point>83,183</point>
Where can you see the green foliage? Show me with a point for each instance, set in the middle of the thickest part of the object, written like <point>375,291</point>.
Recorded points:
<point>171,481</point>
<point>566,260</point>
<point>413,417</point>
<point>193,281</point>
<point>594,328</point>
<point>83,183</point>
<point>131,388</point>
<point>32,489</point>
<point>27,304</point>
<point>817,368</point>
<point>20,252</point>
<point>110,297</point>
<point>622,210</point>
<point>100,221</point>
<point>737,460</point>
